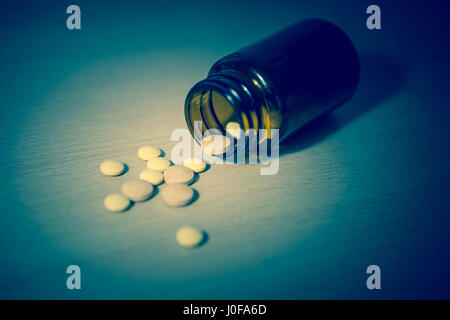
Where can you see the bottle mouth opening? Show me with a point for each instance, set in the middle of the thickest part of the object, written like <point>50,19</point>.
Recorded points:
<point>215,109</point>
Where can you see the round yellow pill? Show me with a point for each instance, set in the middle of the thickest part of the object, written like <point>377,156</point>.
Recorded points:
<point>116,202</point>
<point>196,165</point>
<point>189,237</point>
<point>148,152</point>
<point>112,167</point>
<point>159,164</point>
<point>155,177</point>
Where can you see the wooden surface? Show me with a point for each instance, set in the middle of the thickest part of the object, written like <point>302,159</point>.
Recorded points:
<point>367,185</point>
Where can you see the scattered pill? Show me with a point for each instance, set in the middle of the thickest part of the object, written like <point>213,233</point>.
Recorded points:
<point>155,177</point>
<point>116,202</point>
<point>112,167</point>
<point>234,129</point>
<point>189,237</point>
<point>215,144</point>
<point>196,165</point>
<point>148,152</point>
<point>159,164</point>
<point>178,174</point>
<point>177,195</point>
<point>137,190</point>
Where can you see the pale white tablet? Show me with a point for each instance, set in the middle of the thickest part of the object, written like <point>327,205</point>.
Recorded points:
<point>137,190</point>
<point>177,195</point>
<point>178,174</point>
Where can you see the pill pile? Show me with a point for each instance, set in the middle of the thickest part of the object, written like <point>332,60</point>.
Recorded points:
<point>176,191</point>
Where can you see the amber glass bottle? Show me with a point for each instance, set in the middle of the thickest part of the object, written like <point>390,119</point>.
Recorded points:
<point>282,81</point>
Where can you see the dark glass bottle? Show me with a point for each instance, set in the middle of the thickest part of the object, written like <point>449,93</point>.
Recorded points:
<point>282,81</point>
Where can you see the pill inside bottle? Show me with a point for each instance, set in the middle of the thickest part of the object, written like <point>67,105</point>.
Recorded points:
<point>215,144</point>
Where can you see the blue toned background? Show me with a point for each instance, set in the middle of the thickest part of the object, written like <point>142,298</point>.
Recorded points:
<point>370,184</point>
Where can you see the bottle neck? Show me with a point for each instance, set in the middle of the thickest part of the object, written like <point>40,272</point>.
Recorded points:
<point>228,98</point>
